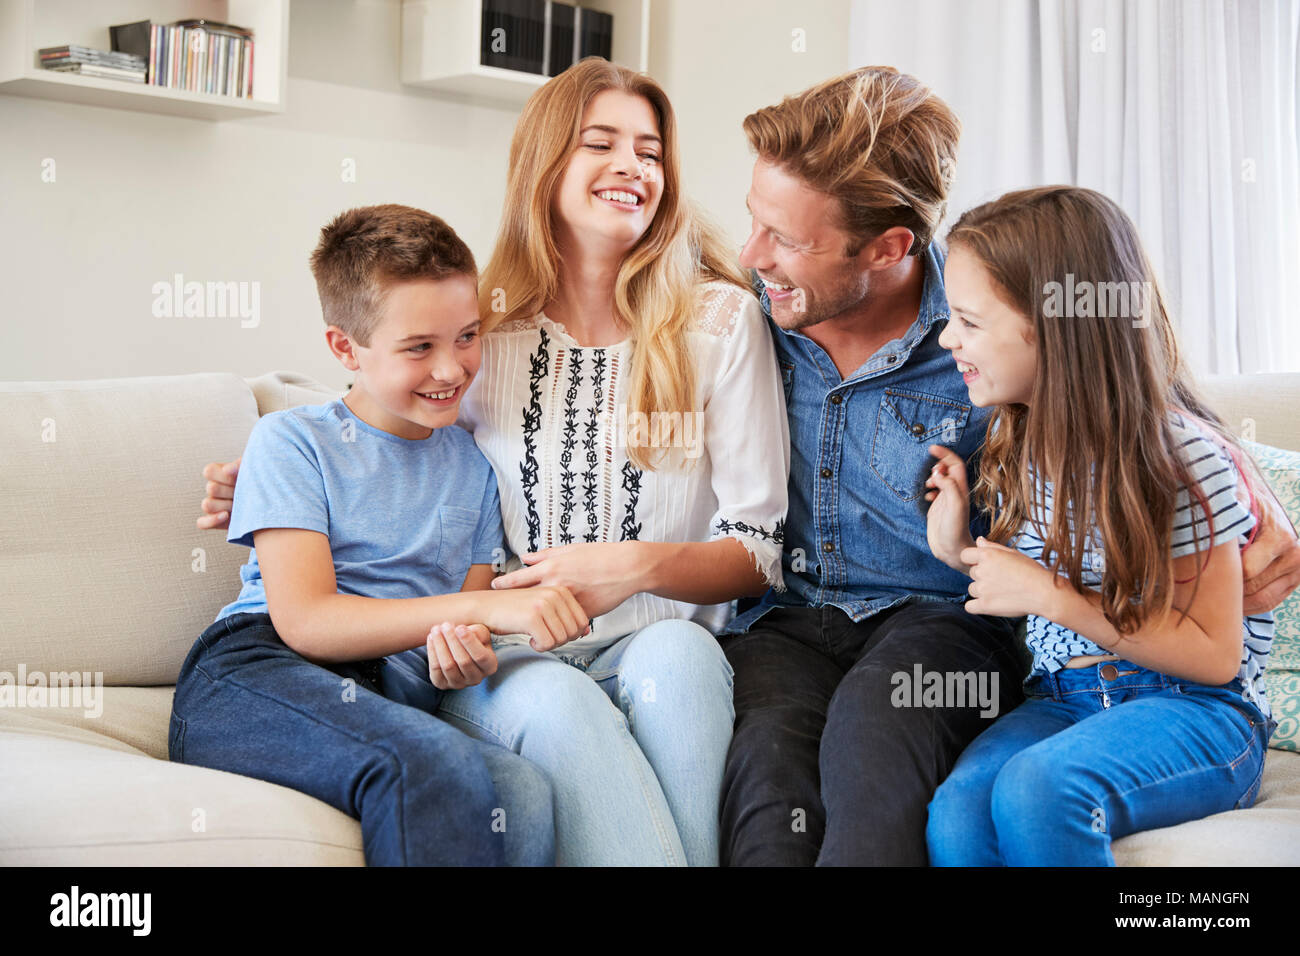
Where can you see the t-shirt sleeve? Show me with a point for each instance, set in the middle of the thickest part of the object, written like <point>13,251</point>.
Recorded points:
<point>279,483</point>
<point>748,439</point>
<point>1220,517</point>
<point>490,535</point>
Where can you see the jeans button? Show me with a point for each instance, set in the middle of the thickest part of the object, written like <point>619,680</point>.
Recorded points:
<point>1109,671</point>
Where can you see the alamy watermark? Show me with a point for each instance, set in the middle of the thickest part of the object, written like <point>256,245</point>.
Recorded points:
<point>922,688</point>
<point>1101,300</point>
<point>53,689</point>
<point>684,430</point>
<point>208,300</point>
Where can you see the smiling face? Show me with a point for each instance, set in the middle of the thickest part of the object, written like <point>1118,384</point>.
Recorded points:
<point>798,251</point>
<point>990,340</point>
<point>423,354</point>
<point>611,187</point>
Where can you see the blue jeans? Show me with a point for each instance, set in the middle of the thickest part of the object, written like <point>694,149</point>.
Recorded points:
<point>361,739</point>
<point>1094,754</point>
<point>633,741</point>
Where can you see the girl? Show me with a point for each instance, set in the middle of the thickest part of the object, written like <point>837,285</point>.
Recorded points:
<point>1116,491</point>
<point>630,405</point>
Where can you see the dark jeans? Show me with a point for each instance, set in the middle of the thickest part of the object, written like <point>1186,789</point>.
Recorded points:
<point>838,746</point>
<point>425,793</point>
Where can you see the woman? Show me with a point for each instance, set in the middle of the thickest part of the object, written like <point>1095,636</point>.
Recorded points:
<point>630,406</point>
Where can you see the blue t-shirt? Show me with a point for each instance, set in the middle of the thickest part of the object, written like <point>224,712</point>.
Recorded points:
<point>405,518</point>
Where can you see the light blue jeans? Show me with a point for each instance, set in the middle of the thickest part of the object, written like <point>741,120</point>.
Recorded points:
<point>633,741</point>
<point>1094,754</point>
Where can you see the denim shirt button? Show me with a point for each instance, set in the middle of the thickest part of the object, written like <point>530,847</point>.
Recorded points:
<point>826,472</point>
<point>918,429</point>
<point>828,547</point>
<point>836,398</point>
<point>891,359</point>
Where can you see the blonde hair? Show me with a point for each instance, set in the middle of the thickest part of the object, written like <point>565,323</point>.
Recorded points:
<point>1097,423</point>
<point>656,293</point>
<point>877,140</point>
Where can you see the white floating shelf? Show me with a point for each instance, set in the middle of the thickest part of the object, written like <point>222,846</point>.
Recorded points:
<point>27,26</point>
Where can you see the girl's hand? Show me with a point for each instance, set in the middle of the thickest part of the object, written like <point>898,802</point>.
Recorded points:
<point>1006,583</point>
<point>947,526</point>
<point>460,655</point>
<point>600,575</point>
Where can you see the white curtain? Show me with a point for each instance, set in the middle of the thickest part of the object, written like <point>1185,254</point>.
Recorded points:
<point>1183,111</point>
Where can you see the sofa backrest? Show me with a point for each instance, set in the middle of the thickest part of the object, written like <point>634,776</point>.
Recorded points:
<point>101,567</point>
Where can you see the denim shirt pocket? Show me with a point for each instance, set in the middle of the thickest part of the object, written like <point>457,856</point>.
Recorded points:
<point>907,424</point>
<point>456,540</point>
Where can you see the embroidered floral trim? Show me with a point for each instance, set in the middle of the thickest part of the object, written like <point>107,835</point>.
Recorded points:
<point>631,529</point>
<point>539,365</point>
<point>568,442</point>
<point>776,535</point>
<point>591,436</point>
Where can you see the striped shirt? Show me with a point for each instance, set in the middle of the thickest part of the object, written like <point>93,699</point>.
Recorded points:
<point>1213,470</point>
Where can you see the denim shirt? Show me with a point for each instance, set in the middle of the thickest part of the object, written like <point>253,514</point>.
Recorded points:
<point>855,532</point>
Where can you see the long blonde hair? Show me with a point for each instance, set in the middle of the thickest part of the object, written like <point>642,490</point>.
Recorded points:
<point>1097,423</point>
<point>657,290</point>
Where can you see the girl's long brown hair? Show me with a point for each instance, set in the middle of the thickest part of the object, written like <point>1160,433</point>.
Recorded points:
<point>656,295</point>
<point>1097,423</point>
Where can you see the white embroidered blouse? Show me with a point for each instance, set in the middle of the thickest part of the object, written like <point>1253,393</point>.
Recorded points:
<point>553,419</point>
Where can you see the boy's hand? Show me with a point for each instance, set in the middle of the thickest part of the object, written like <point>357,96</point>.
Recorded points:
<point>947,527</point>
<point>460,655</point>
<point>220,477</point>
<point>550,616</point>
<point>1006,583</point>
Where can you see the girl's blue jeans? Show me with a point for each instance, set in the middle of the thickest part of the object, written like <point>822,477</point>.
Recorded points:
<point>1093,754</point>
<point>633,741</point>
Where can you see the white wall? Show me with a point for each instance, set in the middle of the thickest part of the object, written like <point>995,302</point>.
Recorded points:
<point>140,197</point>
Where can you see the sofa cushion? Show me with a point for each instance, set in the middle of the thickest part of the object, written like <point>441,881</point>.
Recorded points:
<point>104,571</point>
<point>1281,469</point>
<point>79,802</point>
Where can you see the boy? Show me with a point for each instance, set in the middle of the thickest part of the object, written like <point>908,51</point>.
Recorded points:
<point>372,518</point>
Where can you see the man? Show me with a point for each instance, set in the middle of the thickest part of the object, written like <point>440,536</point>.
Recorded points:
<point>837,748</point>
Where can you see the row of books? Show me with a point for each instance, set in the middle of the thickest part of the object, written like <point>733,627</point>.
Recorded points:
<point>201,56</point>
<point>542,36</point>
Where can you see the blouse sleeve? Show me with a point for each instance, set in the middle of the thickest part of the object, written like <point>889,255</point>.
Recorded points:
<point>746,431</point>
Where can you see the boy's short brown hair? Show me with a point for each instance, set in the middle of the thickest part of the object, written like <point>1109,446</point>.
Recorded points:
<point>875,139</point>
<point>364,251</point>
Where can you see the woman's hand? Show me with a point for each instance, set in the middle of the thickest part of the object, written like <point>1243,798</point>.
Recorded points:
<point>460,655</point>
<point>947,526</point>
<point>601,575</point>
<point>220,477</point>
<point>1006,583</point>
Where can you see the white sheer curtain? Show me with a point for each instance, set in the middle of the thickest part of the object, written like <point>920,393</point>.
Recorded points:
<point>1184,111</point>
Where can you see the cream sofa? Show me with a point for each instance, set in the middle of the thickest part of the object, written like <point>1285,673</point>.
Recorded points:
<point>104,572</point>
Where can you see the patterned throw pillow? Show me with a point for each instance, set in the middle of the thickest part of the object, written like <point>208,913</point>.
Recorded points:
<point>1281,469</point>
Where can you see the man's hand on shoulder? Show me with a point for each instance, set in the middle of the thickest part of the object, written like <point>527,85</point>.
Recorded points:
<point>1271,565</point>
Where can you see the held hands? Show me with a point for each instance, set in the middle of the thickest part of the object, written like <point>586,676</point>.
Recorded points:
<point>948,520</point>
<point>460,655</point>
<point>220,477</point>
<point>551,616</point>
<point>1006,583</point>
<point>600,575</point>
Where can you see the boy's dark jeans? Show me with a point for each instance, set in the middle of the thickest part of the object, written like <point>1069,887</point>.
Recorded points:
<point>836,752</point>
<point>423,791</point>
